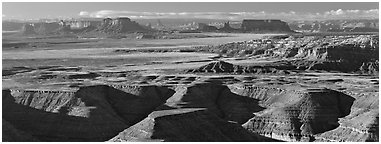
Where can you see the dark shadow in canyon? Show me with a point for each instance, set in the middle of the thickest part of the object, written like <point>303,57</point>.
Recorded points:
<point>108,111</point>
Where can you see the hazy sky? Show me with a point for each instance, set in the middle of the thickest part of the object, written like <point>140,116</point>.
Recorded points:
<point>228,10</point>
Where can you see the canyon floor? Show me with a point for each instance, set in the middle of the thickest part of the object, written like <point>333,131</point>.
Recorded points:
<point>63,89</point>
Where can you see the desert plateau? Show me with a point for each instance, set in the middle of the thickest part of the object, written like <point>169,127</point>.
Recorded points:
<point>124,79</point>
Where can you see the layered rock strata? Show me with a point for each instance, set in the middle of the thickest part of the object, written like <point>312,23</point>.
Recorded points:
<point>203,112</point>
<point>225,67</point>
<point>94,113</point>
<point>311,112</point>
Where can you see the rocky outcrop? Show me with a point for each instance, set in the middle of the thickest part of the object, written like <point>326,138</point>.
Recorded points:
<point>94,113</point>
<point>296,115</point>
<point>362,128</point>
<point>227,28</point>
<point>249,25</point>
<point>349,54</point>
<point>61,116</point>
<point>358,54</point>
<point>107,22</point>
<point>312,114</point>
<point>120,25</point>
<point>136,102</point>
<point>202,112</point>
<point>185,126</point>
<point>220,67</point>
<point>361,125</point>
<point>224,67</point>
<point>111,26</point>
<point>370,67</point>
<point>73,24</point>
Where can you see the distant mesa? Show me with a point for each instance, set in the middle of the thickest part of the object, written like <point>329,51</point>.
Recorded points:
<point>271,25</point>
<point>228,28</point>
<point>108,25</point>
<point>250,25</point>
<point>120,25</point>
<point>247,25</point>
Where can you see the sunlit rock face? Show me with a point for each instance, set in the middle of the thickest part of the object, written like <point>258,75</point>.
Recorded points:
<point>357,54</point>
<point>310,112</point>
<point>203,112</point>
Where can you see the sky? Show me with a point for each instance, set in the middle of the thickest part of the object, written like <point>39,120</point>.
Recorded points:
<point>219,10</point>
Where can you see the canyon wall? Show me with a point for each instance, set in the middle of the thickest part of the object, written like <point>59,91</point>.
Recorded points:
<point>202,111</point>
<point>349,54</point>
<point>94,113</point>
<point>312,114</point>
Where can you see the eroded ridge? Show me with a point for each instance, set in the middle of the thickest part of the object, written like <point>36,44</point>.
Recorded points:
<point>92,113</point>
<point>201,111</point>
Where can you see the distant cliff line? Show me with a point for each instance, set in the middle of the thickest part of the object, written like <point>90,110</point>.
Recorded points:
<point>246,25</point>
